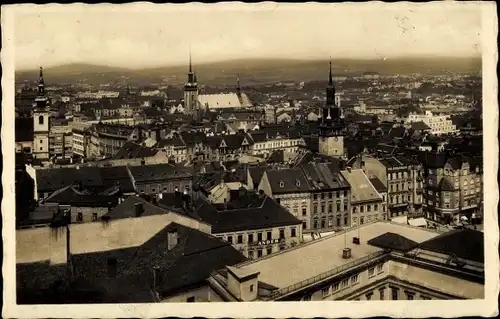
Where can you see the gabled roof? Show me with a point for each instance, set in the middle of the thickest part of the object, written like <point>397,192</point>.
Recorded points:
<point>146,173</point>
<point>133,150</point>
<point>361,188</point>
<point>324,176</point>
<point>246,213</point>
<point>419,126</point>
<point>445,185</point>
<point>393,241</point>
<point>290,180</point>
<point>463,243</point>
<point>71,195</point>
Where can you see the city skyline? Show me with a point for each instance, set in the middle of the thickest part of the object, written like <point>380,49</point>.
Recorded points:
<point>165,38</point>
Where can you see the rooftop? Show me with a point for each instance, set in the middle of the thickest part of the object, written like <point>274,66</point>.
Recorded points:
<point>362,189</point>
<point>311,259</point>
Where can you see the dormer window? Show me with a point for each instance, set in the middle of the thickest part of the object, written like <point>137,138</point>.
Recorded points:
<point>282,184</point>
<point>297,183</point>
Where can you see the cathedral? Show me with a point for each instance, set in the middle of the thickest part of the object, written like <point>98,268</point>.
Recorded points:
<point>332,127</point>
<point>197,104</point>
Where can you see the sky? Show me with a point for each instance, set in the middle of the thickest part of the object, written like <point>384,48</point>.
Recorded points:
<point>141,37</point>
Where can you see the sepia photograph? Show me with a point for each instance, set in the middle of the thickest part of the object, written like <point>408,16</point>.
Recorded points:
<point>246,155</point>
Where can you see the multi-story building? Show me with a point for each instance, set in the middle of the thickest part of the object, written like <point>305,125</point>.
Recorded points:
<point>160,178</point>
<point>439,124</point>
<point>376,261</point>
<point>291,190</point>
<point>402,177</point>
<point>264,142</point>
<point>328,194</point>
<point>107,139</point>
<point>60,139</point>
<point>253,223</point>
<point>366,202</point>
<point>453,187</point>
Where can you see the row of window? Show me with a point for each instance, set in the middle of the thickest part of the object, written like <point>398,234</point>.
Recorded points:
<point>260,251</point>
<point>337,194</point>
<point>323,221</point>
<point>79,217</point>
<point>239,238</point>
<point>368,219</point>
<point>368,208</point>
<point>330,208</point>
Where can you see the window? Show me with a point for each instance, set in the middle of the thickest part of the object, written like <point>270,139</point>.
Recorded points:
<point>380,268</point>
<point>345,220</point>
<point>251,288</point>
<point>259,253</point>
<point>315,208</point>
<point>79,217</point>
<point>375,207</point>
<point>345,207</point>
<point>330,208</point>
<point>361,209</point>
<point>304,225</point>
<point>354,279</point>
<point>369,296</point>
<point>315,224</point>
<point>371,272</point>
<point>294,232</point>
<point>259,237</point>
<point>269,250</point>
<point>345,283</point>
<point>410,295</point>
<point>345,193</point>
<point>325,291</point>
<point>335,287</point>
<point>94,217</point>
<point>304,211</point>
<point>230,239</point>
<point>323,223</point>
<point>395,293</point>
<point>382,293</point>
<point>423,297</point>
<point>368,208</point>
<point>354,209</point>
<point>282,233</point>
<point>250,238</point>
<point>250,254</point>
<point>322,208</point>
<point>190,299</point>
<point>338,207</point>
<point>307,298</point>
<point>40,120</point>
<point>240,239</point>
<point>269,235</point>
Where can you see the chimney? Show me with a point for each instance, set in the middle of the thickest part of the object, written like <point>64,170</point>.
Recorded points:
<point>172,238</point>
<point>139,209</point>
<point>346,253</point>
<point>349,169</point>
<point>242,191</point>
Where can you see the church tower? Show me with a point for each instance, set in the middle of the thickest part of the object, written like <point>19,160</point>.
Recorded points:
<point>332,128</point>
<point>191,91</point>
<point>41,124</point>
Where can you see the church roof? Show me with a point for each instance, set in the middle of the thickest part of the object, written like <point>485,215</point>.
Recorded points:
<point>225,100</point>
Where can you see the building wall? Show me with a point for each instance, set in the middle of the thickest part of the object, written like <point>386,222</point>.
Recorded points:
<point>330,210</point>
<point>248,243</point>
<point>165,186</point>
<point>362,213</point>
<point>407,279</point>
<point>88,214</point>
<point>41,128</point>
<point>201,294</point>
<point>299,205</point>
<point>93,237</point>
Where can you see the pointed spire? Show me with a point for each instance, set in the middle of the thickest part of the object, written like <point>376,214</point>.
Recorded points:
<point>330,80</point>
<point>190,65</point>
<point>238,88</point>
<point>41,84</point>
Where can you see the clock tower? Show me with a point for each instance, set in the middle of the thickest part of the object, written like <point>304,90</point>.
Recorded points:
<point>332,128</point>
<point>191,92</point>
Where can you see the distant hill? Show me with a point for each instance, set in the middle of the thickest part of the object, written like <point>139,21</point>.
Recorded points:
<point>254,71</point>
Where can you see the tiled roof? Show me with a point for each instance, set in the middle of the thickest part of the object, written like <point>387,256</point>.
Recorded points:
<point>248,212</point>
<point>229,100</point>
<point>133,150</point>
<point>146,173</point>
<point>70,195</point>
<point>290,180</point>
<point>361,188</point>
<point>324,176</point>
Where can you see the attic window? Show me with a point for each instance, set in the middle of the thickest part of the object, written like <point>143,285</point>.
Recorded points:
<point>282,184</point>
<point>297,183</point>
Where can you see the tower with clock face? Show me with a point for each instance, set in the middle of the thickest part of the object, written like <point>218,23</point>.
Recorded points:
<point>332,128</point>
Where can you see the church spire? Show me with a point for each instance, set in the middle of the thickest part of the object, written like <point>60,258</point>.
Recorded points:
<point>190,64</point>
<point>238,88</point>
<point>330,79</point>
<point>41,84</point>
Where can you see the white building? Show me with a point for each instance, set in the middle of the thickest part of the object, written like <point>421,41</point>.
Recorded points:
<point>439,124</point>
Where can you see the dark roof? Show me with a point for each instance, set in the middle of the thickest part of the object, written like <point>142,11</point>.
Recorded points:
<point>379,186</point>
<point>420,126</point>
<point>445,185</point>
<point>324,176</point>
<point>71,195</point>
<point>188,263</point>
<point>463,243</point>
<point>133,150</point>
<point>248,212</point>
<point>291,180</point>
<point>393,241</point>
<point>256,173</point>
<point>127,209</point>
<point>147,173</point>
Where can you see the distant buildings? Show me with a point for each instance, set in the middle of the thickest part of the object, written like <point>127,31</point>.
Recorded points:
<point>439,124</point>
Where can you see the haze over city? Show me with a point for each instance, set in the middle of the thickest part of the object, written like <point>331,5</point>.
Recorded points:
<point>141,39</point>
